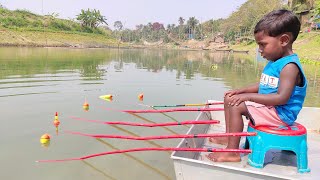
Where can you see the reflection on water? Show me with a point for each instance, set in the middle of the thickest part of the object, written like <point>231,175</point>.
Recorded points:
<point>36,82</point>
<point>36,65</point>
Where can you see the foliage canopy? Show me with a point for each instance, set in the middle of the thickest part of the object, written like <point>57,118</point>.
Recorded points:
<point>91,18</point>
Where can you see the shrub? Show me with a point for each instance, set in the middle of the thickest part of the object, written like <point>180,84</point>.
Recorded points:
<point>37,23</point>
<point>14,21</point>
<point>59,25</point>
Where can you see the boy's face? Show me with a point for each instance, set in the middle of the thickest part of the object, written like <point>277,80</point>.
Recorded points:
<point>269,47</point>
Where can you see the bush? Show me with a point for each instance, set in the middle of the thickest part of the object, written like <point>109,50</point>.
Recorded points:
<point>24,12</point>
<point>25,20</point>
<point>59,25</point>
<point>37,23</point>
<point>3,11</point>
<point>13,21</point>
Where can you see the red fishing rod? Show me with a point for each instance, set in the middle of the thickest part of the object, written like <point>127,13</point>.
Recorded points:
<point>183,105</point>
<point>163,137</point>
<point>151,149</point>
<point>148,125</point>
<point>168,110</point>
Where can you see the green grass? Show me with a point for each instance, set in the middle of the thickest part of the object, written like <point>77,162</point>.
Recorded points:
<point>23,28</point>
<point>307,46</point>
<point>25,20</point>
<point>10,37</point>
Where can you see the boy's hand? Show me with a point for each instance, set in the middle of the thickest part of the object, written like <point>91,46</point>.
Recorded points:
<point>231,92</point>
<point>238,98</point>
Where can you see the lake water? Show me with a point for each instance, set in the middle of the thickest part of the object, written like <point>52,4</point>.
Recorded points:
<point>37,82</point>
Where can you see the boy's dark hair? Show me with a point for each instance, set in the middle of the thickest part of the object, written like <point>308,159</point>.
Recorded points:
<point>278,22</point>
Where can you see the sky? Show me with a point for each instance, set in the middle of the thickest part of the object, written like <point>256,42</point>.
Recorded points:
<point>132,12</point>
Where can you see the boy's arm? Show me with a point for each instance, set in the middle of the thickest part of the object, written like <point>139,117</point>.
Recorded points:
<point>250,89</point>
<point>288,77</point>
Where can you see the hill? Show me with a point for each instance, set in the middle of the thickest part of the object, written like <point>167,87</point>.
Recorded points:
<point>307,46</point>
<point>23,28</point>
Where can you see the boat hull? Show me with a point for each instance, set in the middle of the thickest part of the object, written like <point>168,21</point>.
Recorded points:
<point>278,164</point>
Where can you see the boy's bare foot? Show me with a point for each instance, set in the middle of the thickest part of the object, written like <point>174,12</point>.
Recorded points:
<point>219,140</point>
<point>224,157</point>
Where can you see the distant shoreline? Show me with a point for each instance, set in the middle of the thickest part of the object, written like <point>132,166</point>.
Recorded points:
<point>307,45</point>
<point>125,47</point>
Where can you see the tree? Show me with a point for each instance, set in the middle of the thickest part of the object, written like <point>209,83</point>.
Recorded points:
<point>181,22</point>
<point>139,27</point>
<point>192,23</point>
<point>53,16</point>
<point>157,26</point>
<point>118,25</point>
<point>212,27</point>
<point>250,12</point>
<point>91,18</point>
<point>300,5</point>
<point>317,8</point>
<point>170,28</point>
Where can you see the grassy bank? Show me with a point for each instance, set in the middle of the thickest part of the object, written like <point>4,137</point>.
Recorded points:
<point>307,46</point>
<point>10,37</point>
<point>24,28</point>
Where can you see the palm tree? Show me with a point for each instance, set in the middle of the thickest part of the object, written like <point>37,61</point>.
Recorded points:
<point>192,23</point>
<point>181,22</point>
<point>98,18</point>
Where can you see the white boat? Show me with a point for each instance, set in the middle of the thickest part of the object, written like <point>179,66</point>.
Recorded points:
<point>278,164</point>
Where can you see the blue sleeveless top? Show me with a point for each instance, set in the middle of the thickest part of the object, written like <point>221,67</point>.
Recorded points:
<point>269,83</point>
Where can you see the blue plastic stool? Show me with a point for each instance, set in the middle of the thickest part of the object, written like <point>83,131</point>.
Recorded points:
<point>290,138</point>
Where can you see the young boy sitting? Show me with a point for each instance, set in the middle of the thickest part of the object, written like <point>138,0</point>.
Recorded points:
<point>278,97</point>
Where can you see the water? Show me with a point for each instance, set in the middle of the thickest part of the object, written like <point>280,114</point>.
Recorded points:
<point>37,82</point>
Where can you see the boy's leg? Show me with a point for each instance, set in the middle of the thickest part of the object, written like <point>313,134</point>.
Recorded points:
<point>223,140</point>
<point>235,125</point>
<point>227,113</point>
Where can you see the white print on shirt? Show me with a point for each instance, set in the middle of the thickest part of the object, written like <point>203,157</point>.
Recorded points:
<point>264,79</point>
<point>269,80</point>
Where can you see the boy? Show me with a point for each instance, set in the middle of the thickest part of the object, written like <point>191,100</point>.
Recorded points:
<point>279,96</point>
